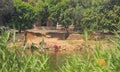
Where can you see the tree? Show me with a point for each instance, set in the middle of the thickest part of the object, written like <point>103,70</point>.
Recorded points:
<point>54,13</point>
<point>44,11</point>
<point>57,9</point>
<point>24,15</point>
<point>111,18</point>
<point>88,14</point>
<point>91,14</point>
<point>66,19</point>
<point>77,14</point>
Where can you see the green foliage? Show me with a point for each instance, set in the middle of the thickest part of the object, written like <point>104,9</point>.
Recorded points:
<point>77,16</point>
<point>57,10</point>
<point>88,15</point>
<point>98,60</point>
<point>92,14</point>
<point>38,7</point>
<point>110,19</point>
<point>61,13</point>
<point>11,60</point>
<point>44,13</point>
<point>66,18</point>
<point>23,16</point>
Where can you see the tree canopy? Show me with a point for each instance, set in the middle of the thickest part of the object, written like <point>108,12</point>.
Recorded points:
<point>91,14</point>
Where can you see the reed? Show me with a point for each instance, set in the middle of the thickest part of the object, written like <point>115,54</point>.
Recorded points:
<point>12,61</point>
<point>107,60</point>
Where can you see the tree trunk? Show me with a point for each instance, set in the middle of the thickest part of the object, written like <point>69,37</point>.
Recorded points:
<point>67,32</point>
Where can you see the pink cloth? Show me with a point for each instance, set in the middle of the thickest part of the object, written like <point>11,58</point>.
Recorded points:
<point>56,47</point>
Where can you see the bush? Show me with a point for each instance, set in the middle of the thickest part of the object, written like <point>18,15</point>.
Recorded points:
<point>24,15</point>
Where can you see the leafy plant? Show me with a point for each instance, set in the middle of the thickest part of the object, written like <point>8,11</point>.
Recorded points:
<point>24,15</point>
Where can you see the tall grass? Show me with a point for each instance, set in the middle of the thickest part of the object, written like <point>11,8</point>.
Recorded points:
<point>12,61</point>
<point>107,60</point>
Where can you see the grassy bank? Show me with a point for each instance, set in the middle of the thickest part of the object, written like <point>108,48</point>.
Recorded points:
<point>12,61</point>
<point>97,60</point>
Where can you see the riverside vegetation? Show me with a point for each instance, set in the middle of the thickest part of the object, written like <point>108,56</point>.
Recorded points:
<point>97,60</point>
<point>93,14</point>
<point>88,16</point>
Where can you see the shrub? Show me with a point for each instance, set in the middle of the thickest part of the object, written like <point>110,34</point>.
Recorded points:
<point>23,16</point>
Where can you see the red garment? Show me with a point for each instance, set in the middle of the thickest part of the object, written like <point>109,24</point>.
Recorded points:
<point>56,47</point>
